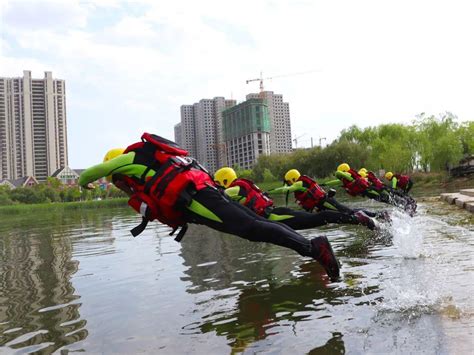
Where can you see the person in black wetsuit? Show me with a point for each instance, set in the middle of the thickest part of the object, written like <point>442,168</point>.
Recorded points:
<point>310,196</point>
<point>165,185</point>
<point>248,194</point>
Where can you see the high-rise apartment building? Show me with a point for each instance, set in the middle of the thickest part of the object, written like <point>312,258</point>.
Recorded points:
<point>33,131</point>
<point>246,132</point>
<point>201,131</point>
<point>280,125</point>
<point>188,130</point>
<point>177,134</point>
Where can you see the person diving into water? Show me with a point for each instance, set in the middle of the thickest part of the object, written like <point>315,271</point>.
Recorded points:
<point>310,195</point>
<point>399,181</point>
<point>164,184</point>
<point>356,185</point>
<point>399,196</point>
<point>248,194</point>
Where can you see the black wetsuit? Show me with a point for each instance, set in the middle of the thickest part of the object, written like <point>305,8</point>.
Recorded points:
<point>241,221</point>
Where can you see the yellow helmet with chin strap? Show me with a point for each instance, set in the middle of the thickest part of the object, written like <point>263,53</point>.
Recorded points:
<point>388,175</point>
<point>363,172</point>
<point>225,176</point>
<point>291,176</point>
<point>343,167</point>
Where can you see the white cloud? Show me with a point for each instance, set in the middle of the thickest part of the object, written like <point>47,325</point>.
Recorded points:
<point>51,14</point>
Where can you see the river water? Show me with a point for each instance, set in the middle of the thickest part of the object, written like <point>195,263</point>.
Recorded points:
<point>77,281</point>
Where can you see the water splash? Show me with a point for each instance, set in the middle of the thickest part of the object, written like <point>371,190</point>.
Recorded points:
<point>413,281</point>
<point>408,234</point>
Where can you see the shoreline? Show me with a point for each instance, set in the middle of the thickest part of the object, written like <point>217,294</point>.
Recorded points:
<point>59,206</point>
<point>425,186</point>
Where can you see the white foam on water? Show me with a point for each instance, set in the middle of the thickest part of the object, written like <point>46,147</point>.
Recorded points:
<point>408,233</point>
<point>413,279</point>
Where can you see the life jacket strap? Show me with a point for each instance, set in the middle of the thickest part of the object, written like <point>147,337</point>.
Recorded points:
<point>181,233</point>
<point>140,228</point>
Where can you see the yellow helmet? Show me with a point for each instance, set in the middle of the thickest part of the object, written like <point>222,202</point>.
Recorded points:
<point>363,172</point>
<point>291,176</point>
<point>343,167</point>
<point>225,176</point>
<point>113,153</point>
<point>388,175</point>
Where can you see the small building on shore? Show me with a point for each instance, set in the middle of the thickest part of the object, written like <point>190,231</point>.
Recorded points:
<point>26,181</point>
<point>66,176</point>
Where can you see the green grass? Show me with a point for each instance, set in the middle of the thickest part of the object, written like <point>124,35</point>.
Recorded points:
<point>61,206</point>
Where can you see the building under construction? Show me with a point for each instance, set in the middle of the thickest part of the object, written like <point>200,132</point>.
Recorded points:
<point>201,130</point>
<point>246,132</point>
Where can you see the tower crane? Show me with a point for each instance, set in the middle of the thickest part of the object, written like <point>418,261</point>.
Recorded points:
<point>296,139</point>
<point>261,79</point>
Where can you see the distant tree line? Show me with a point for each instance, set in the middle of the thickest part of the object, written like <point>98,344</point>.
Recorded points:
<point>429,144</point>
<point>53,191</point>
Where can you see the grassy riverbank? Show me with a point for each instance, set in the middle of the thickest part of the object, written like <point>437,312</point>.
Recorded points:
<point>61,206</point>
<point>430,184</point>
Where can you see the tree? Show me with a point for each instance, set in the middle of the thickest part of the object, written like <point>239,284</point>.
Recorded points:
<point>440,144</point>
<point>27,195</point>
<point>466,136</point>
<point>268,176</point>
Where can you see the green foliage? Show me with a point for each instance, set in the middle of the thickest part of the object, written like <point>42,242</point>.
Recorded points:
<point>466,135</point>
<point>430,143</point>
<point>53,182</point>
<point>53,191</point>
<point>243,173</point>
<point>59,207</point>
<point>440,144</point>
<point>268,176</point>
<point>27,195</point>
<point>4,198</point>
<point>246,174</point>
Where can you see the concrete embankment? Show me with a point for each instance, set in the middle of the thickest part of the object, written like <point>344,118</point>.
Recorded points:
<point>463,198</point>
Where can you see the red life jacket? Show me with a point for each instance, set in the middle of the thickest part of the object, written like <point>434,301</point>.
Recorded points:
<point>256,200</point>
<point>357,186</point>
<point>313,195</point>
<point>376,182</point>
<point>402,180</point>
<point>162,195</point>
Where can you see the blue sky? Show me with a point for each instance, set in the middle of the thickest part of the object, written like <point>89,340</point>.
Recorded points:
<point>129,66</point>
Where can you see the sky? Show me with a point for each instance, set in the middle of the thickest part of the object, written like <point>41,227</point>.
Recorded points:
<point>130,65</point>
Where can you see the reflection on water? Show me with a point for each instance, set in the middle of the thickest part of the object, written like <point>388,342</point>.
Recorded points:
<point>258,294</point>
<point>39,309</point>
<point>79,282</point>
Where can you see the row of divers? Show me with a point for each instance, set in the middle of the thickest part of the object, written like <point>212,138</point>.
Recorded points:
<point>166,185</point>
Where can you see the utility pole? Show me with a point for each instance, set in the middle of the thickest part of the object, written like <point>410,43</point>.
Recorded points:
<point>311,142</point>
